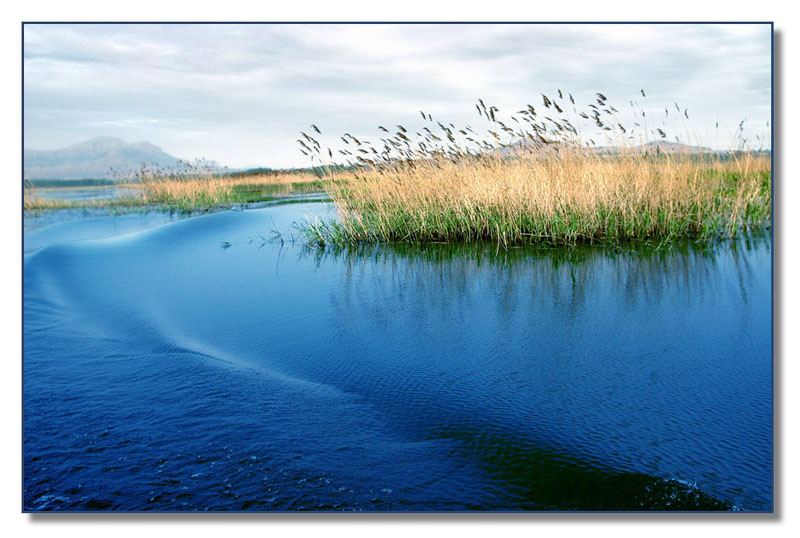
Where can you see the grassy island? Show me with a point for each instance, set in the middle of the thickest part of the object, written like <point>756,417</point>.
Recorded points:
<point>540,177</point>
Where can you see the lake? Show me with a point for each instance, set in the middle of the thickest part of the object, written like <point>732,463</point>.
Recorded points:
<point>217,363</point>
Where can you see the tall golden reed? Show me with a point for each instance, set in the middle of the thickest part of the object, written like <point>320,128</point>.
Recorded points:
<point>542,183</point>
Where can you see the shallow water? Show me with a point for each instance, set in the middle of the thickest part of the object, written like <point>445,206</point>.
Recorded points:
<point>56,226</point>
<point>110,221</point>
<point>212,364</point>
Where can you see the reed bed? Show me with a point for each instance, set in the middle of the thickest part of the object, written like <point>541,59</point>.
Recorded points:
<point>199,186</point>
<point>543,181</point>
<point>192,187</point>
<point>30,199</point>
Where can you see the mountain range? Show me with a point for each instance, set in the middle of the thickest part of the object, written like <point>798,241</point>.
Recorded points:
<point>94,159</point>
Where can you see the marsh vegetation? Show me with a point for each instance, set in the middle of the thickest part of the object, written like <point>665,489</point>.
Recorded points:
<point>541,176</point>
<point>193,187</point>
<point>552,175</point>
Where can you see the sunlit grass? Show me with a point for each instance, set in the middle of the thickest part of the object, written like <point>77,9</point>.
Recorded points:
<point>541,181</point>
<point>189,190</point>
<point>559,200</point>
<point>206,192</point>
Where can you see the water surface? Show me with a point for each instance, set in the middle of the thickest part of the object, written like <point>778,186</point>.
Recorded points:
<point>214,364</point>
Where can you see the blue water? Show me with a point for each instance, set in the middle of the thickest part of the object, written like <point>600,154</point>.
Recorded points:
<point>213,364</point>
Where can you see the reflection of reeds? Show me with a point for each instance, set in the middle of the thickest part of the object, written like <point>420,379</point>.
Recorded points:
<point>540,177</point>
<point>457,275</point>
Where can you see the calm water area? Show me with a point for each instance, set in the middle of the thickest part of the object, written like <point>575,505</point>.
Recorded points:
<point>218,363</point>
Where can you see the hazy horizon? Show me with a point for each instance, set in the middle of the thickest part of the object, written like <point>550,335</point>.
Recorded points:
<point>240,94</point>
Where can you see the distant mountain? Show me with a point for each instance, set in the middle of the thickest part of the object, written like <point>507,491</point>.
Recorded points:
<point>665,146</point>
<point>654,147</point>
<point>94,159</point>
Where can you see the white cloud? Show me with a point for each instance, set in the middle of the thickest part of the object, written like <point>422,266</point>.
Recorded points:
<point>239,94</point>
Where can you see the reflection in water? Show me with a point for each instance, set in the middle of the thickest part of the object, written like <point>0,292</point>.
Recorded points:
<point>682,267</point>
<point>165,372</point>
<point>638,361</point>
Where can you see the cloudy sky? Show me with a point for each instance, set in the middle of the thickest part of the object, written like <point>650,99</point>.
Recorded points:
<point>240,94</point>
